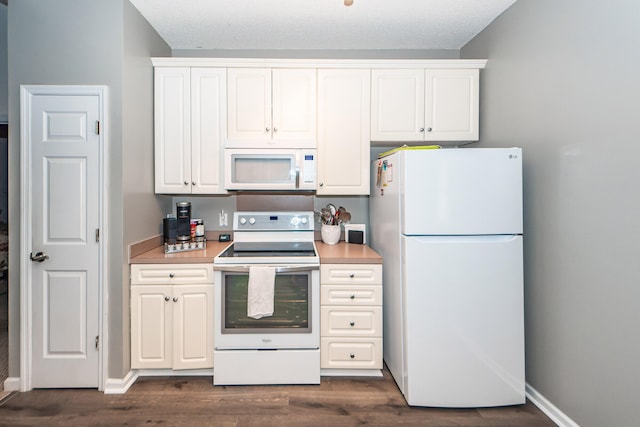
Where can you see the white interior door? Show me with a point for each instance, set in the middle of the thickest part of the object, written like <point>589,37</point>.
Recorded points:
<point>64,204</point>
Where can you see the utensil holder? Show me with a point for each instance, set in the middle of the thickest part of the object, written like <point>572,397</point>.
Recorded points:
<point>330,234</point>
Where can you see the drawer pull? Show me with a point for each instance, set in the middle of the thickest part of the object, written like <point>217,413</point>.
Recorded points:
<point>172,275</point>
<point>167,298</point>
<point>352,323</point>
<point>352,296</point>
<point>351,355</point>
<point>175,299</point>
<point>352,275</point>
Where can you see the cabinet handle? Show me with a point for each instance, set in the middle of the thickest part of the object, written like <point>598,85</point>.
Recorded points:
<point>429,129</point>
<point>267,130</point>
<point>352,323</point>
<point>186,183</point>
<point>166,298</point>
<point>352,275</point>
<point>322,184</point>
<point>421,129</point>
<point>352,296</point>
<point>193,183</point>
<point>172,275</point>
<point>351,355</point>
<point>175,299</point>
<point>275,130</point>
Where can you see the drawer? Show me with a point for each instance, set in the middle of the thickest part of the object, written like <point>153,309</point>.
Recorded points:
<point>351,295</point>
<point>350,353</point>
<point>361,274</point>
<point>162,274</point>
<point>352,321</point>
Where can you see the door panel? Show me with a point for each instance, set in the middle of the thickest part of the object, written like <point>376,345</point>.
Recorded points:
<point>64,205</point>
<point>64,293</point>
<point>66,215</point>
<point>193,326</point>
<point>151,327</point>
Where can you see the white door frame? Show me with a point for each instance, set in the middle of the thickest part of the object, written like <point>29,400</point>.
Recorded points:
<point>27,217</point>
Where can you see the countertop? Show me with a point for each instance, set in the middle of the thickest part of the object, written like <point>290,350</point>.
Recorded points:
<point>157,255</point>
<point>347,253</point>
<point>340,253</point>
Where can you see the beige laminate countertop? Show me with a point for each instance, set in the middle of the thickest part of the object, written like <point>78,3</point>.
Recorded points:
<point>157,255</point>
<point>341,253</point>
<point>347,253</point>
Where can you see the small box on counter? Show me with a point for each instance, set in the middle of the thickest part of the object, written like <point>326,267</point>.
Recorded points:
<point>355,233</point>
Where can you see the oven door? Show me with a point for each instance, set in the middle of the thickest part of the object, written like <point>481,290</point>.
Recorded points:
<point>296,316</point>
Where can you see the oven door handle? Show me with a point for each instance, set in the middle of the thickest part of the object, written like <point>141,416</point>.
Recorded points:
<point>245,269</point>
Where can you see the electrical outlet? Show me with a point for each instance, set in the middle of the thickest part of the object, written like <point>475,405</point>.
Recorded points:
<point>223,219</point>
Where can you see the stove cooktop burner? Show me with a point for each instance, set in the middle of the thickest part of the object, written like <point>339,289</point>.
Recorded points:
<point>269,249</point>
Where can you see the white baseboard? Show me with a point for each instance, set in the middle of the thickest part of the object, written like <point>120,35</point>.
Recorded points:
<point>550,410</point>
<point>172,373</point>
<point>12,384</point>
<point>120,386</point>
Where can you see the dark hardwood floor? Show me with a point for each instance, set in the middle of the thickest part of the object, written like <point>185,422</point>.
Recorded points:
<point>193,401</point>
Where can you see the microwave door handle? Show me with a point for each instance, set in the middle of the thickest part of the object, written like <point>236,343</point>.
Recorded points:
<point>297,177</point>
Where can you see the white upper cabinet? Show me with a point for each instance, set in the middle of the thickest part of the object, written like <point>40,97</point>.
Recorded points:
<point>208,127</point>
<point>172,129</point>
<point>397,105</point>
<point>189,126</point>
<point>271,108</point>
<point>432,105</point>
<point>344,118</point>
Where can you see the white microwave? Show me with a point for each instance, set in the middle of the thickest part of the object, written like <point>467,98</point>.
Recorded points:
<point>270,169</point>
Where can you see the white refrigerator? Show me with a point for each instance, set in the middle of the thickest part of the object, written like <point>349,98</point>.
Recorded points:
<point>448,224</point>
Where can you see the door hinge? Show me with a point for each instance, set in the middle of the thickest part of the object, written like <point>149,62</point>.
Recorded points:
<point>97,127</point>
<point>97,235</point>
<point>97,341</point>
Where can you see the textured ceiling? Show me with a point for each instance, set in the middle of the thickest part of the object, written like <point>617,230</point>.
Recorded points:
<point>319,24</point>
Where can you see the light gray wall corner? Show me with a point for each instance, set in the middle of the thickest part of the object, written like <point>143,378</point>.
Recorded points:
<point>139,203</point>
<point>561,82</point>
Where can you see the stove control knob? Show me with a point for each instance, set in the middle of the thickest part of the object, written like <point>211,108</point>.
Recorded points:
<point>295,220</point>
<point>252,220</point>
<point>303,220</point>
<point>243,220</point>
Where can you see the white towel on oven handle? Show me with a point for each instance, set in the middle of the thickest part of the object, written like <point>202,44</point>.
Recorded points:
<point>260,291</point>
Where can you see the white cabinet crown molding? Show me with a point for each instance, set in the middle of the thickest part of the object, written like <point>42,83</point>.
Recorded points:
<point>317,63</point>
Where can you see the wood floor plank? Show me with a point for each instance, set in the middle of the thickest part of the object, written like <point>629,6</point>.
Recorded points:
<point>194,401</point>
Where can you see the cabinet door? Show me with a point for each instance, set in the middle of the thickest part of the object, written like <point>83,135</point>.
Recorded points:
<point>294,108</point>
<point>452,102</point>
<point>397,105</point>
<point>172,130</point>
<point>343,131</point>
<point>151,327</point>
<point>248,107</point>
<point>208,128</point>
<point>193,326</point>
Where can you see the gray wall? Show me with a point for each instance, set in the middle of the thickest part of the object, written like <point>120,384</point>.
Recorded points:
<point>141,210</point>
<point>4,103</point>
<point>3,64</point>
<point>562,82</point>
<point>78,42</point>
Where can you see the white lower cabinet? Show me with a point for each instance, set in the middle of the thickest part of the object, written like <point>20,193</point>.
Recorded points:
<point>172,322</point>
<point>351,316</point>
